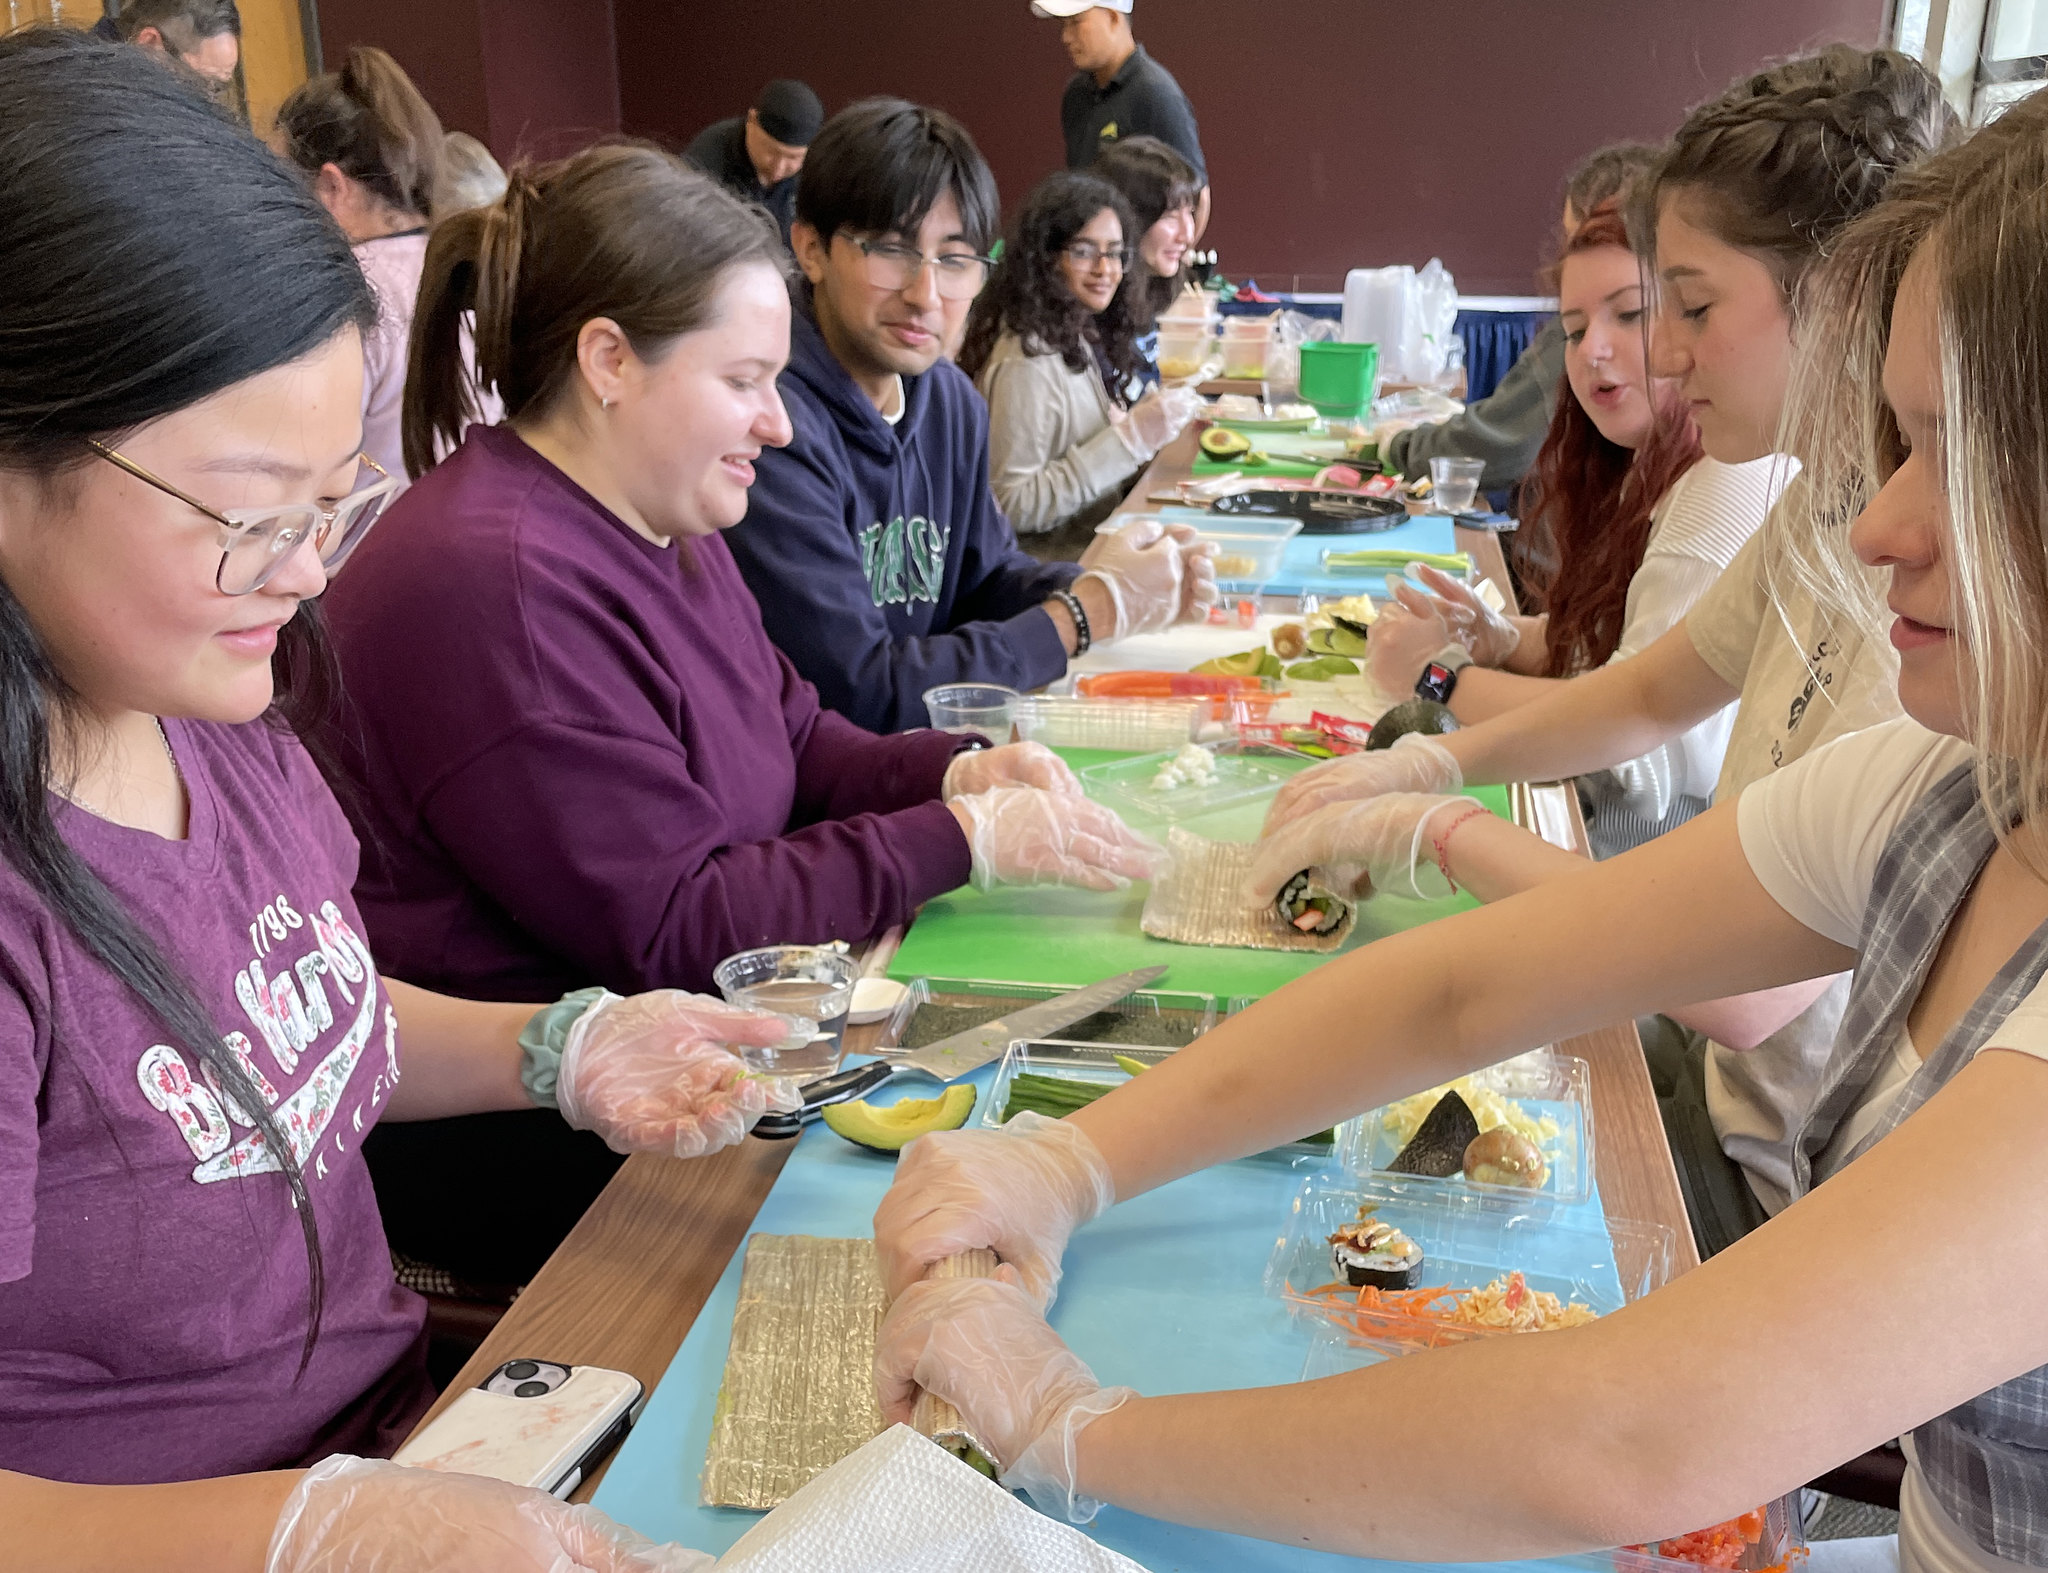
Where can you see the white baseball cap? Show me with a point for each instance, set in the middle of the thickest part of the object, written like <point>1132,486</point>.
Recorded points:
<point>1059,10</point>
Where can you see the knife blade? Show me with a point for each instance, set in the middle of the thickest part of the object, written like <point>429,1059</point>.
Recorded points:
<point>951,1058</point>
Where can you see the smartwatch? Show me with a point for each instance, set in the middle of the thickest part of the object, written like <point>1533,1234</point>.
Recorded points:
<point>1439,679</point>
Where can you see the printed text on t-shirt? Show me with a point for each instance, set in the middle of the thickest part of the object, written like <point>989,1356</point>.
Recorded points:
<point>291,1009</point>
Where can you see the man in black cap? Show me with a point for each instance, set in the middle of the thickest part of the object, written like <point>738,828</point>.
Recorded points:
<point>757,155</point>
<point>1119,91</point>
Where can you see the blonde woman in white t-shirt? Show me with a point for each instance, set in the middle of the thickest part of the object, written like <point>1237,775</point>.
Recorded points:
<point>1625,524</point>
<point>1752,189</point>
<point>1899,1297</point>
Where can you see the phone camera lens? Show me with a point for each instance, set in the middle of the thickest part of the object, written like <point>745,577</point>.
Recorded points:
<point>520,1370</point>
<point>529,1390</point>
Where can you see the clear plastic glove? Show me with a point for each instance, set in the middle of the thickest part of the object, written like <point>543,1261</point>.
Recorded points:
<point>1014,764</point>
<point>1019,1190</point>
<point>1156,419</point>
<point>1402,644</point>
<point>654,1073</point>
<point>364,1515</point>
<point>1416,763</point>
<point>1491,636</point>
<point>981,1344</point>
<point>1143,569</point>
<point>1380,845</point>
<point>1022,836</point>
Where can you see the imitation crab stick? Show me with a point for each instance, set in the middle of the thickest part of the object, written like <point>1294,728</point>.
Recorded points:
<point>1166,685</point>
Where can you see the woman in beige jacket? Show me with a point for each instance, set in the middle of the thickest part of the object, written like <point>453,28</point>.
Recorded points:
<point>1052,346</point>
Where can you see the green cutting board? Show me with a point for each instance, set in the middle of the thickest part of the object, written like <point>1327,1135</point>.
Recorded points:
<point>1050,934</point>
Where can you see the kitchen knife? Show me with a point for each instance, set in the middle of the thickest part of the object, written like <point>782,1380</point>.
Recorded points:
<point>951,1058</point>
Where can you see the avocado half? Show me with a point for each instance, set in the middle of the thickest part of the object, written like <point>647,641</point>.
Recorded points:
<point>892,1127</point>
<point>1416,715</point>
<point>1220,442</point>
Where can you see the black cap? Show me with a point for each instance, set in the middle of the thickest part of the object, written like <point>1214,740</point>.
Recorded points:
<point>789,112</point>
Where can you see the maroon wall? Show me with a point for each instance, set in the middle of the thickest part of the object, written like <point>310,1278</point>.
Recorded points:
<point>526,76</point>
<point>1339,133</point>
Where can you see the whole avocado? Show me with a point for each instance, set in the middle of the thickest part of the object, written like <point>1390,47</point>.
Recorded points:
<point>1414,715</point>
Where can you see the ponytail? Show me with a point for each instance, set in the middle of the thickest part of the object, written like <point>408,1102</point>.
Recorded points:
<point>621,231</point>
<point>369,122</point>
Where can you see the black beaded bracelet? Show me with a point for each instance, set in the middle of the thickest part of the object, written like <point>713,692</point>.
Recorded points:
<point>1072,602</point>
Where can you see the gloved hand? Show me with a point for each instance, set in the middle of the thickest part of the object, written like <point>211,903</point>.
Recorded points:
<point>1156,419</point>
<point>1143,568</point>
<point>1416,763</point>
<point>364,1515</point>
<point>1014,764</point>
<point>1379,845</point>
<point>1491,636</point>
<point>653,1073</point>
<point>1402,644</point>
<point>1022,836</point>
<point>1019,1190</point>
<point>980,1344</point>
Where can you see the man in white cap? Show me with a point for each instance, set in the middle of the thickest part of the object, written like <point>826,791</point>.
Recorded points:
<point>1118,90</point>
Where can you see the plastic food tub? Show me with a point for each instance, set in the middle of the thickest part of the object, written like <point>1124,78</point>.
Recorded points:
<point>1243,771</point>
<point>1468,1241</point>
<point>1548,1086</point>
<point>936,1008</point>
<point>1249,549</point>
<point>1246,341</point>
<point>1132,725</point>
<point>1184,349</point>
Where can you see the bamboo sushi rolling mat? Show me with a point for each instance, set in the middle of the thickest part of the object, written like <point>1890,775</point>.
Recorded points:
<point>1047,934</point>
<point>1136,1303</point>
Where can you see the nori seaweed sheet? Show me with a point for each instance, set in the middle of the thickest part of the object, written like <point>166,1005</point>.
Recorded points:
<point>1166,1029</point>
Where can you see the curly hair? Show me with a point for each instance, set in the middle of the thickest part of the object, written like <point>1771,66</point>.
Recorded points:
<point>1784,159</point>
<point>1028,295</point>
<point>1587,503</point>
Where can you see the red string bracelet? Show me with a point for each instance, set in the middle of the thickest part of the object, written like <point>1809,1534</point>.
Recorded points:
<point>1442,841</point>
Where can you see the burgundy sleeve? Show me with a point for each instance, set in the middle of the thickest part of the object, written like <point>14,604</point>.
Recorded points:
<point>604,848</point>
<point>843,769</point>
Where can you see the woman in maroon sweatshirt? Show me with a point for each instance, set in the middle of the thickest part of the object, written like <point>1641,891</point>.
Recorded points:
<point>576,758</point>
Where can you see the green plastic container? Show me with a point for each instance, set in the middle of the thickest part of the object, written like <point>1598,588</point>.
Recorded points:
<point>1338,379</point>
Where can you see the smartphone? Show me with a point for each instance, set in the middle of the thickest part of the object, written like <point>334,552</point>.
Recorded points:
<point>532,1422</point>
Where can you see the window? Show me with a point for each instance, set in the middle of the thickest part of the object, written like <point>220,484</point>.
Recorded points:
<point>1989,53</point>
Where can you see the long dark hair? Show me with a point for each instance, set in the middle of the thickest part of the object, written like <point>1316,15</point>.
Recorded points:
<point>623,231</point>
<point>369,122</point>
<point>1028,296</point>
<point>1586,505</point>
<point>155,254</point>
<point>1155,180</point>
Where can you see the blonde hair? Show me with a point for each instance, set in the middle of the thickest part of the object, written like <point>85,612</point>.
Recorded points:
<point>1977,217</point>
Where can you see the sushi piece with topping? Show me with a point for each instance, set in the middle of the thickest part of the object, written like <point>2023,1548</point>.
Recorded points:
<point>1437,1149</point>
<point>1372,1254</point>
<point>1311,908</point>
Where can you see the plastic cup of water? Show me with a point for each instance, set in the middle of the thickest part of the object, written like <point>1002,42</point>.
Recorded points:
<point>812,985</point>
<point>978,709</point>
<point>1454,483</point>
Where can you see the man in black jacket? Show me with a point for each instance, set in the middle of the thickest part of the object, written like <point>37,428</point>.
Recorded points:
<point>757,155</point>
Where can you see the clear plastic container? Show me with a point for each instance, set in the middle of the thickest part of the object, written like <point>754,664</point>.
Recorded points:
<point>809,985</point>
<point>1184,349</point>
<point>1243,772</point>
<point>972,709</point>
<point>1245,343</point>
<point>1249,550</point>
<point>1545,1085</point>
<point>936,1008</point>
<point>1135,725</point>
<point>1468,1242</point>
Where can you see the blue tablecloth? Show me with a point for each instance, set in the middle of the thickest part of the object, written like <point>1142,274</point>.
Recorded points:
<point>1136,1303</point>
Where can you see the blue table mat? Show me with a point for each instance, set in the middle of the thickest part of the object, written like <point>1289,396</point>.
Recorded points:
<point>1301,569</point>
<point>1144,1311</point>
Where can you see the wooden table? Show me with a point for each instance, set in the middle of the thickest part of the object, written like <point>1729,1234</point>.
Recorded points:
<point>625,1286</point>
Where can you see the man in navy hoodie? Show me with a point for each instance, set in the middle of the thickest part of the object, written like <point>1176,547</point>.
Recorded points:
<point>872,542</point>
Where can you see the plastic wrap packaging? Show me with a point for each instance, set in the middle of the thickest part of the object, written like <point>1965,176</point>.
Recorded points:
<point>1200,900</point>
<point>799,1388</point>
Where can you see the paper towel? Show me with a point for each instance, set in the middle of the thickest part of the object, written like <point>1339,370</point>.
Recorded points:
<point>902,1504</point>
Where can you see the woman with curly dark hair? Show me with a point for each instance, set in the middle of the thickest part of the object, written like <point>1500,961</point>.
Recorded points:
<point>1052,345</point>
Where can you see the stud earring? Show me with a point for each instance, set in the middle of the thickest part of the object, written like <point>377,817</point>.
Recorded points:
<point>604,404</point>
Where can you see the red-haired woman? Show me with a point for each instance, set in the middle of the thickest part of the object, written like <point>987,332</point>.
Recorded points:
<point>1625,524</point>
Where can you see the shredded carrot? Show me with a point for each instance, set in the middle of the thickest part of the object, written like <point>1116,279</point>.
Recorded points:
<point>1429,1318</point>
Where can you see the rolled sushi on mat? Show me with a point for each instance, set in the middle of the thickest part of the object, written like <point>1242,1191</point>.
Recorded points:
<point>1313,908</point>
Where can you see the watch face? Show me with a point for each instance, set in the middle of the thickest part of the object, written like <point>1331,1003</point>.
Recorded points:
<point>1436,682</point>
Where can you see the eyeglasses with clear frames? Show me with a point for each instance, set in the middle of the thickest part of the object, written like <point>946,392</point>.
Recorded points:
<point>1088,256</point>
<point>256,542</point>
<point>960,274</point>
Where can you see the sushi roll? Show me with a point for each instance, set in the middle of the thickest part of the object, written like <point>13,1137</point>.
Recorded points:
<point>1372,1254</point>
<point>1307,906</point>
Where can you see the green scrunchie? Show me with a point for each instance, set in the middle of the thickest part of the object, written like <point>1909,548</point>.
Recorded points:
<point>542,1040</point>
